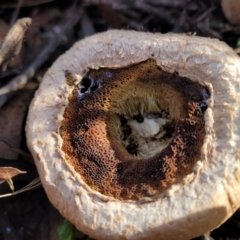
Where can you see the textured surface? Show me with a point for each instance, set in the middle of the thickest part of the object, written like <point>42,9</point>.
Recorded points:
<point>98,140</point>
<point>203,200</point>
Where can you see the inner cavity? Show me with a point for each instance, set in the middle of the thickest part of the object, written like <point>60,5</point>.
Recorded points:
<point>135,131</point>
<point>147,134</point>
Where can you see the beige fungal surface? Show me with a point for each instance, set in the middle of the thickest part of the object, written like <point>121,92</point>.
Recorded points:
<point>136,135</point>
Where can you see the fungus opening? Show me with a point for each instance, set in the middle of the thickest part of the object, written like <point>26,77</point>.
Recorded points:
<point>135,131</point>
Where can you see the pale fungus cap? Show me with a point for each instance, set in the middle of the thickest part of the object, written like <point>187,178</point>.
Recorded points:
<point>136,135</point>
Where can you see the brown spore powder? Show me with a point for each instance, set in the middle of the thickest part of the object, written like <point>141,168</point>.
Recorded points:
<point>97,139</point>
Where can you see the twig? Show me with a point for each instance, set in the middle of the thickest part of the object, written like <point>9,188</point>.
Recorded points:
<point>55,37</point>
<point>13,148</point>
<point>205,14</point>
<point>208,31</point>
<point>116,4</point>
<point>32,185</point>
<point>12,43</point>
<point>21,164</point>
<point>11,72</point>
<point>144,6</point>
<point>169,3</point>
<point>158,12</point>
<point>87,27</point>
<point>16,12</point>
<point>26,3</point>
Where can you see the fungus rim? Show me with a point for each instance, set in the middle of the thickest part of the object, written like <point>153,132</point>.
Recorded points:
<point>185,208</point>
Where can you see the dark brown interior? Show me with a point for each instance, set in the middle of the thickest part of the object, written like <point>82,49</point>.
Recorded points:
<point>102,146</point>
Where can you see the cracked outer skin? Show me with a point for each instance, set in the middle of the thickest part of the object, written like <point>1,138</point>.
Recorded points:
<point>203,199</point>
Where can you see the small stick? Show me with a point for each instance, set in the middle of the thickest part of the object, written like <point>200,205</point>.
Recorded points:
<point>16,12</point>
<point>12,147</point>
<point>158,12</point>
<point>32,185</point>
<point>205,14</point>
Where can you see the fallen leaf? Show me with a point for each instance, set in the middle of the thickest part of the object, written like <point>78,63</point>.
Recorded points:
<point>12,42</point>
<point>6,173</point>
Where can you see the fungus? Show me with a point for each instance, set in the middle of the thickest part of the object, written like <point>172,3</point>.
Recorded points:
<point>136,135</point>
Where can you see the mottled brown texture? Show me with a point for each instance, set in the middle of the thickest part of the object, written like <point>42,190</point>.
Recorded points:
<point>92,136</point>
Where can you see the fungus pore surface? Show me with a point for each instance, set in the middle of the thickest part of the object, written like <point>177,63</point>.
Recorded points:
<point>135,131</point>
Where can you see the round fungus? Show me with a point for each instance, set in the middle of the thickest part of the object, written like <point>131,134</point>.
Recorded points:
<point>136,135</point>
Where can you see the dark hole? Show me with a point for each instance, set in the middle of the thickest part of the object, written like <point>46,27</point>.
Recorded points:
<point>139,118</point>
<point>126,132</point>
<point>94,87</point>
<point>166,136</point>
<point>158,115</point>
<point>132,148</point>
<point>206,94</point>
<point>154,173</point>
<point>85,84</point>
<point>203,106</point>
<point>84,127</point>
<point>169,128</point>
<point>154,115</point>
<point>119,168</point>
<point>123,120</point>
<point>193,93</point>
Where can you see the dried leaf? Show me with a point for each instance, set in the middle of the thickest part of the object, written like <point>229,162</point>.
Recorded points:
<point>12,43</point>
<point>10,183</point>
<point>6,173</point>
<point>4,29</point>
